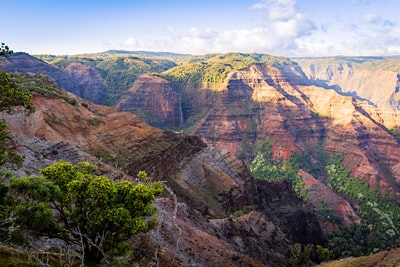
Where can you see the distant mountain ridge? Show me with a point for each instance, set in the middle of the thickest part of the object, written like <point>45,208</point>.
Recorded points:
<point>373,78</point>
<point>168,55</point>
<point>237,102</point>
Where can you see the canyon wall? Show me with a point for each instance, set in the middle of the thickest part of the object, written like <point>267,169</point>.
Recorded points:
<point>212,211</point>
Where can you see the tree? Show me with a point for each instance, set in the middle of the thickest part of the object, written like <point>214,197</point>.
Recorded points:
<point>10,95</point>
<point>5,50</point>
<point>324,254</point>
<point>299,256</point>
<point>266,168</point>
<point>93,212</point>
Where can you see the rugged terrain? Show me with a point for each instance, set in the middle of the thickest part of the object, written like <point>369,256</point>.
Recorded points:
<point>212,213</point>
<point>374,79</point>
<point>235,103</point>
<point>282,105</point>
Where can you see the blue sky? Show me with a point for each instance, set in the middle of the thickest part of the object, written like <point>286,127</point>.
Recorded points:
<point>276,27</point>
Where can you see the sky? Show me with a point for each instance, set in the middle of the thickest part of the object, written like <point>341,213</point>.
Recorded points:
<point>290,28</point>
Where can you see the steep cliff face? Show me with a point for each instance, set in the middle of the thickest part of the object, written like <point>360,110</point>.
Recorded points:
<point>90,81</point>
<point>373,79</point>
<point>262,102</point>
<point>273,103</point>
<point>232,224</point>
<point>212,212</point>
<point>153,98</point>
<point>282,106</point>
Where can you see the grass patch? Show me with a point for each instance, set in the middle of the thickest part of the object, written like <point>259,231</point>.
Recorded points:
<point>12,257</point>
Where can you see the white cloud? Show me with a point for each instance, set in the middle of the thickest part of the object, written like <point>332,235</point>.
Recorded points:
<point>285,31</point>
<point>130,43</point>
<point>372,18</point>
<point>281,25</point>
<point>281,9</point>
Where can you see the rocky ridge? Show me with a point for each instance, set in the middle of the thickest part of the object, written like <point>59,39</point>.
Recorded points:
<point>372,79</point>
<point>212,212</point>
<point>154,94</point>
<point>297,117</point>
<point>81,80</point>
<point>281,104</point>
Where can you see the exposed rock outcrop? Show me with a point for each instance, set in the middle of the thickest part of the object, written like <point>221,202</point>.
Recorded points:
<point>278,103</point>
<point>91,83</point>
<point>372,79</point>
<point>214,213</point>
<point>153,98</point>
<point>282,105</point>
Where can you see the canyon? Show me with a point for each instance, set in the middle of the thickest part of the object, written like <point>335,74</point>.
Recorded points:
<point>216,213</point>
<point>283,105</point>
<point>208,186</point>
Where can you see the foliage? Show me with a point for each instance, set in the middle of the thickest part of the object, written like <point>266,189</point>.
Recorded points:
<point>380,215</point>
<point>11,94</point>
<point>324,254</point>
<point>8,158</point>
<point>299,256</point>
<point>119,71</point>
<point>264,167</point>
<point>95,121</point>
<point>214,68</point>
<point>40,84</point>
<point>326,214</point>
<point>313,160</point>
<point>13,257</point>
<point>97,214</point>
<point>5,50</point>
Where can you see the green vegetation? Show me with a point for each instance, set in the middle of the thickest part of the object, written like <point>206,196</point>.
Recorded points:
<point>66,201</point>
<point>264,167</point>
<point>214,68</point>
<point>313,160</point>
<point>119,71</point>
<point>380,225</point>
<point>95,121</point>
<point>96,214</point>
<point>380,215</point>
<point>39,84</point>
<point>11,93</point>
<point>5,50</point>
<point>300,256</point>
<point>387,63</point>
<point>323,254</point>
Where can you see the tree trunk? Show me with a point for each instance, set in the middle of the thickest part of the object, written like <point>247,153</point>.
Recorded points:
<point>92,255</point>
